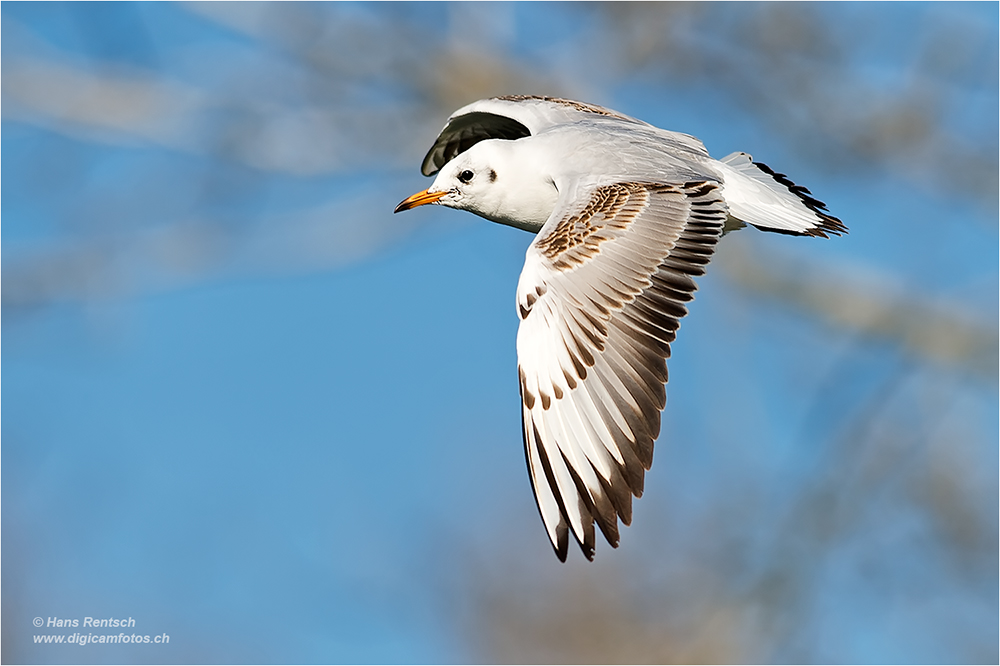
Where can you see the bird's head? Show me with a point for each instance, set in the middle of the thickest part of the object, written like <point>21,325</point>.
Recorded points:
<point>491,181</point>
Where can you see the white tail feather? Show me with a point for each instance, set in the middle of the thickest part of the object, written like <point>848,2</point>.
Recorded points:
<point>770,201</point>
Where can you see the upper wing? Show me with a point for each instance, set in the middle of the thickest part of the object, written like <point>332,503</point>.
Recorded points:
<point>510,117</point>
<point>600,297</point>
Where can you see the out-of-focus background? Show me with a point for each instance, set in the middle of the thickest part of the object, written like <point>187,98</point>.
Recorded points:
<point>248,407</point>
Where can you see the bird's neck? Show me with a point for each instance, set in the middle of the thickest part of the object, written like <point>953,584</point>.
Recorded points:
<point>526,201</point>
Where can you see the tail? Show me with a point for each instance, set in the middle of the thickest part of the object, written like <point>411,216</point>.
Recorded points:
<point>771,202</point>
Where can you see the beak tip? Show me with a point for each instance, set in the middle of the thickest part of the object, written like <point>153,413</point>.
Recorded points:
<point>418,199</point>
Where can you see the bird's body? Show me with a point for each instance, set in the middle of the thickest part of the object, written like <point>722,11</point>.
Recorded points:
<point>625,214</point>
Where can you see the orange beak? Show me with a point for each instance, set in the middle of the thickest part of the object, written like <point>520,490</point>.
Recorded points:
<point>419,199</point>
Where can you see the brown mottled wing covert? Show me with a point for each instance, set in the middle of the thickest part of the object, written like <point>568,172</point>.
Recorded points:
<point>600,298</point>
<point>577,106</point>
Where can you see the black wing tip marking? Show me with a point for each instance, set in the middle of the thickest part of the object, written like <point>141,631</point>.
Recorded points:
<point>562,547</point>
<point>828,223</point>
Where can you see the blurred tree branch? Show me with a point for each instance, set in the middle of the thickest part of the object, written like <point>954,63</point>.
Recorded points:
<point>793,68</point>
<point>317,92</point>
<point>856,300</point>
<point>307,105</point>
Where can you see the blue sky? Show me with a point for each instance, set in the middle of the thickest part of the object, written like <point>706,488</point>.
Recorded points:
<point>286,440</point>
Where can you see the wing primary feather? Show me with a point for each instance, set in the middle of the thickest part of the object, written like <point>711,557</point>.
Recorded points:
<point>560,481</point>
<point>649,367</point>
<point>545,499</point>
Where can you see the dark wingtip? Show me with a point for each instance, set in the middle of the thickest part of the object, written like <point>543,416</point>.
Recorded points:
<point>562,548</point>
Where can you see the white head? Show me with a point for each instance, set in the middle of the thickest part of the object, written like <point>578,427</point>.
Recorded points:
<point>495,179</point>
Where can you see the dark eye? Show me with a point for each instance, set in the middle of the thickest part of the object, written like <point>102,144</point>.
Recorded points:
<point>466,176</point>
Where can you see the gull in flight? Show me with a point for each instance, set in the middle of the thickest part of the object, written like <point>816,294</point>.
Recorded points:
<point>625,215</point>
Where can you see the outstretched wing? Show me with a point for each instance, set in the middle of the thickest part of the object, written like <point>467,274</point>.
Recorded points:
<point>510,117</point>
<point>600,299</point>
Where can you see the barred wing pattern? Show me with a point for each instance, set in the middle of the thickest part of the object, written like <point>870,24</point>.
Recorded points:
<point>600,298</point>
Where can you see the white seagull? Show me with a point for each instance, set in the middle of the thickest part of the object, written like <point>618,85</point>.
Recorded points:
<point>625,215</point>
